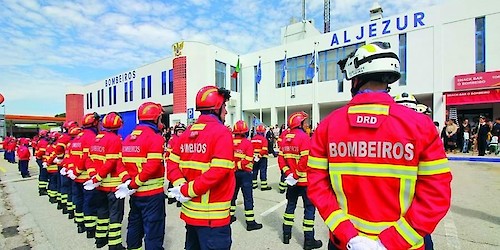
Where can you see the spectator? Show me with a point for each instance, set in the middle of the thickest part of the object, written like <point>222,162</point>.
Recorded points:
<point>451,136</point>
<point>482,135</point>
<point>495,131</point>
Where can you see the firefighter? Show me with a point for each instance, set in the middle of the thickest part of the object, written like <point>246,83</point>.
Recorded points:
<point>424,109</point>
<point>64,186</point>
<point>292,161</point>
<point>201,169</point>
<point>67,164</point>
<point>41,147</point>
<point>109,173</point>
<point>142,155</point>
<point>50,162</point>
<point>407,100</point>
<point>24,155</point>
<point>243,162</point>
<point>282,184</point>
<point>178,130</point>
<point>259,143</point>
<point>11,149</point>
<point>74,160</point>
<point>378,173</point>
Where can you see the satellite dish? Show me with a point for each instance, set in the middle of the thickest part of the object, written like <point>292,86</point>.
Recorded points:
<point>1,99</point>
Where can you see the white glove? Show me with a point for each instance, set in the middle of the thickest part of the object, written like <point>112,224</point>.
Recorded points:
<point>71,175</point>
<point>57,161</point>
<point>44,165</point>
<point>63,171</point>
<point>176,192</point>
<point>256,158</point>
<point>90,185</point>
<point>364,243</point>
<point>122,190</point>
<point>290,180</point>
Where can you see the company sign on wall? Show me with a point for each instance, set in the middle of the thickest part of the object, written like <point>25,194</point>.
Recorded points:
<point>478,80</point>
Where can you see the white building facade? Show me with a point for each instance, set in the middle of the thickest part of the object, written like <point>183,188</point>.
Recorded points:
<point>449,61</point>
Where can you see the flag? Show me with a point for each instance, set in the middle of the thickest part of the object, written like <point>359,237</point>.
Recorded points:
<point>237,70</point>
<point>258,75</point>
<point>283,70</point>
<point>256,121</point>
<point>313,67</point>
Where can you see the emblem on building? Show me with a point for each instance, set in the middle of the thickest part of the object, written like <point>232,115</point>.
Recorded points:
<point>177,47</point>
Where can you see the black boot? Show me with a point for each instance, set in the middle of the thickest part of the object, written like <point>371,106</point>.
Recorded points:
<point>90,233</point>
<point>117,247</point>
<point>101,242</point>
<point>253,226</point>
<point>53,200</point>
<point>312,244</point>
<point>65,210</point>
<point>233,218</point>
<point>171,200</point>
<point>81,228</point>
<point>71,214</point>
<point>265,188</point>
<point>282,191</point>
<point>42,191</point>
<point>59,205</point>
<point>179,204</point>
<point>286,238</point>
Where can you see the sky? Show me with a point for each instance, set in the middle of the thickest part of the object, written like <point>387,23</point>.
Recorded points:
<point>46,45</point>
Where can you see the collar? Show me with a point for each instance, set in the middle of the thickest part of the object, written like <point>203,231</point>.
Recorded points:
<point>206,118</point>
<point>150,125</point>
<point>371,97</point>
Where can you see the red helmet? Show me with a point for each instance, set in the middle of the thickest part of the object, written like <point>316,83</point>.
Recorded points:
<point>90,119</point>
<point>43,133</point>
<point>54,135</point>
<point>69,124</point>
<point>260,128</point>
<point>24,141</point>
<point>240,127</point>
<point>75,131</point>
<point>112,121</point>
<point>296,119</point>
<point>149,111</point>
<point>211,98</point>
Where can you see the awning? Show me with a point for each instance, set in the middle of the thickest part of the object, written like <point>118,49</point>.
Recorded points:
<point>473,97</point>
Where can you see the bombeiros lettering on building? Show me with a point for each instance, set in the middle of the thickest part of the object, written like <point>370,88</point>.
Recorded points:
<point>378,28</point>
<point>199,148</point>
<point>119,78</point>
<point>373,149</point>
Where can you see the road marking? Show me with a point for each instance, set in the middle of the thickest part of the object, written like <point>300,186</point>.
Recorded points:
<point>272,209</point>
<point>451,232</point>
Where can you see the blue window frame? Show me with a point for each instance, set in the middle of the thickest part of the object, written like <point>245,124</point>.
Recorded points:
<point>114,94</point>
<point>220,74</point>
<point>402,59</point>
<point>143,87</point>
<point>149,86</point>
<point>480,45</point>
<point>131,90</point>
<point>163,82</point>
<point>295,71</point>
<point>125,88</point>
<point>171,81</point>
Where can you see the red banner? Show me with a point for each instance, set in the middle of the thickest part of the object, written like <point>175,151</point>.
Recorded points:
<point>478,80</point>
<point>473,97</point>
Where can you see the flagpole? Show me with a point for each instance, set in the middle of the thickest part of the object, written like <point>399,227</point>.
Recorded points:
<point>315,108</point>
<point>259,95</point>
<point>286,76</point>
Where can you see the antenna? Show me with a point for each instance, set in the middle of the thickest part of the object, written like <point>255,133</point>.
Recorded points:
<point>326,16</point>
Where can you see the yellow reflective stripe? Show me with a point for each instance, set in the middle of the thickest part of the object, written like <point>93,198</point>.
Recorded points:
<point>376,109</point>
<point>249,158</point>
<point>213,206</point>
<point>336,182</point>
<point>191,192</point>
<point>122,174</point>
<point>304,152</point>
<point>285,168</point>
<point>138,181</point>
<point>152,184</point>
<point>334,219</point>
<point>291,156</point>
<point>86,150</point>
<point>136,160</point>
<point>173,157</point>
<point>379,170</point>
<point>406,193</point>
<point>91,170</point>
<point>198,127</point>
<point>98,178</point>
<point>194,165</point>
<point>408,233</point>
<point>368,226</point>
<point>222,163</point>
<point>205,215</point>
<point>239,155</point>
<point>317,163</point>
<point>97,157</point>
<point>433,167</point>
<point>52,167</point>
<point>157,156</point>
<point>264,148</point>
<point>78,153</point>
<point>112,156</point>
<point>179,182</point>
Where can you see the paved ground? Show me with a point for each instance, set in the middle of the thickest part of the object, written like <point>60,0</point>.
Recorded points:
<point>472,223</point>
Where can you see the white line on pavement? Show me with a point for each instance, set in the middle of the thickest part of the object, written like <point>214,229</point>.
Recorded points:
<point>451,232</point>
<point>272,209</point>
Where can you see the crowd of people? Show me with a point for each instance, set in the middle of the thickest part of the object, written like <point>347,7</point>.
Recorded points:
<point>375,169</point>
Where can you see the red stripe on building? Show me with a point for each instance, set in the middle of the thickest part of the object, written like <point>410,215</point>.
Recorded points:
<point>179,98</point>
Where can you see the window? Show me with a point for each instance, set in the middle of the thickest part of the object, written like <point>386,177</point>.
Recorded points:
<point>110,95</point>
<point>125,88</point>
<point>149,86</point>
<point>90,102</point>
<point>99,98</point>
<point>480,45</point>
<point>87,98</point>
<point>402,59</point>
<point>164,82</point>
<point>102,97</point>
<point>143,88</point>
<point>171,81</point>
<point>220,74</point>
<point>114,94</point>
<point>277,76</point>
<point>256,85</point>
<point>131,90</point>
<point>234,81</point>
<point>295,71</point>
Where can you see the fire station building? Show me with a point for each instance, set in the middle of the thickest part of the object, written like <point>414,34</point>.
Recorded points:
<point>448,53</point>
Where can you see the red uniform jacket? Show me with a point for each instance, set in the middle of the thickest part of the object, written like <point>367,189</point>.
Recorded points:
<point>50,156</point>
<point>294,151</point>
<point>41,147</point>
<point>23,153</point>
<point>142,155</point>
<point>259,143</point>
<point>11,146</point>
<point>75,154</point>
<point>84,165</point>
<point>203,157</point>
<point>379,169</point>
<point>105,155</point>
<point>243,154</point>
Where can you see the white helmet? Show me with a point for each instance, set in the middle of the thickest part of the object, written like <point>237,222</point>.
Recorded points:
<point>374,61</point>
<point>407,100</point>
<point>424,109</point>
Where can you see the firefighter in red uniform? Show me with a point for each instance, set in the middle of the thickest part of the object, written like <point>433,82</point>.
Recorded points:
<point>109,173</point>
<point>50,162</point>
<point>5,142</point>
<point>24,155</point>
<point>142,155</point>
<point>64,187</point>
<point>243,162</point>
<point>259,143</point>
<point>41,147</point>
<point>378,172</point>
<point>178,130</point>
<point>292,160</point>
<point>202,170</point>
<point>74,160</point>
<point>11,149</point>
<point>67,164</point>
